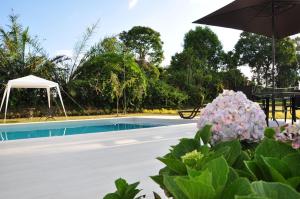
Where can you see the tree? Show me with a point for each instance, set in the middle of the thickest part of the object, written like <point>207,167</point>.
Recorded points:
<point>195,69</point>
<point>256,51</point>
<point>108,68</point>
<point>145,43</point>
<point>205,45</point>
<point>21,54</point>
<point>117,89</point>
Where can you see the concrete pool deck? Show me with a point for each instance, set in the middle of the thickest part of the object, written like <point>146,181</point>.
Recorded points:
<point>85,166</point>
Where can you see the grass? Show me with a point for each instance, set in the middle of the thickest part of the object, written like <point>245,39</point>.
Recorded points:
<point>146,112</point>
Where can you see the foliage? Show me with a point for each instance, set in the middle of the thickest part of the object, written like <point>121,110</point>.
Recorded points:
<point>125,70</point>
<point>145,43</point>
<point>110,68</point>
<point>195,169</point>
<point>202,68</point>
<point>124,191</point>
<point>256,51</point>
<point>160,93</point>
<point>205,45</point>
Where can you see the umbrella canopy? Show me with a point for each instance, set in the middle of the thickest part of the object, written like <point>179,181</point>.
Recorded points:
<point>271,18</point>
<point>256,16</point>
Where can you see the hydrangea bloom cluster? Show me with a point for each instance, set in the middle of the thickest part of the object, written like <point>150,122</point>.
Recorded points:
<point>289,134</point>
<point>233,116</point>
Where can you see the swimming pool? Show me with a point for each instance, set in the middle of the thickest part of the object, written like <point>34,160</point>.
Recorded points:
<point>52,129</point>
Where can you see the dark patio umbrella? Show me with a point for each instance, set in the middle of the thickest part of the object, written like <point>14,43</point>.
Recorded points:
<point>271,18</point>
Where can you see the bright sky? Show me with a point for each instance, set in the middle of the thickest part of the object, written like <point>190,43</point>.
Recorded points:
<point>60,23</point>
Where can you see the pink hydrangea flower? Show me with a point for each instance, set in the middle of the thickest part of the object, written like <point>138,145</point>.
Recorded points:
<point>233,116</point>
<point>290,134</point>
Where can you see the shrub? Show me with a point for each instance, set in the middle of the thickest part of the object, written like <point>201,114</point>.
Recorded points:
<point>195,169</point>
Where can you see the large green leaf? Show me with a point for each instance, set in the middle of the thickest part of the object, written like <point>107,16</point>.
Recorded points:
<point>294,182</point>
<point>216,154</point>
<point>269,173</point>
<point>281,166</point>
<point>270,133</point>
<point>205,177</point>
<point>121,186</point>
<point>205,134</point>
<point>274,190</point>
<point>175,165</point>
<point>232,175</point>
<point>234,150</point>
<point>240,186</point>
<point>219,170</point>
<point>158,179</point>
<point>250,197</point>
<point>172,187</point>
<point>185,146</point>
<point>239,163</point>
<point>254,170</point>
<point>293,162</point>
<point>112,196</point>
<point>124,190</point>
<point>273,148</point>
<point>195,188</point>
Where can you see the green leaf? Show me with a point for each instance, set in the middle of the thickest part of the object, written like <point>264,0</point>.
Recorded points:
<point>175,165</point>
<point>250,197</point>
<point>193,172</point>
<point>281,166</point>
<point>293,162</point>
<point>274,190</point>
<point>205,177</point>
<point>245,173</point>
<point>234,150</point>
<point>205,134</point>
<point>269,173</point>
<point>269,133</point>
<point>194,188</point>
<point>240,186</point>
<point>185,146</point>
<point>121,186</point>
<point>219,170</point>
<point>272,148</point>
<point>173,188</point>
<point>112,196</point>
<point>158,179</point>
<point>239,163</point>
<point>124,190</point>
<point>294,182</point>
<point>216,154</point>
<point>232,175</point>
<point>254,170</point>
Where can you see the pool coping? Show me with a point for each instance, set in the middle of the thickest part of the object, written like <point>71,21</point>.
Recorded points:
<point>169,122</point>
<point>95,119</point>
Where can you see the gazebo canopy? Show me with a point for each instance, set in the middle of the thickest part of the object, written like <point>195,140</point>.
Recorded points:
<point>30,81</point>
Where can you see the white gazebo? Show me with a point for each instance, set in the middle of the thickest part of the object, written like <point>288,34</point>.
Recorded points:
<point>30,81</point>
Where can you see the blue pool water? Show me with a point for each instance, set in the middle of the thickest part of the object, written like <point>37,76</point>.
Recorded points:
<point>26,133</point>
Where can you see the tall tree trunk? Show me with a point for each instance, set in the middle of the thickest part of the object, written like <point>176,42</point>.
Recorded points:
<point>117,107</point>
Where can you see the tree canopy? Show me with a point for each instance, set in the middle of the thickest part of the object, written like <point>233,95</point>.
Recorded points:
<point>124,71</point>
<point>256,52</point>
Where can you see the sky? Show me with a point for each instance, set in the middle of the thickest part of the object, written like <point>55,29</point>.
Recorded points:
<point>60,23</point>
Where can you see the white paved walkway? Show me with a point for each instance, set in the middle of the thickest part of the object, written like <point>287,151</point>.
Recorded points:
<point>84,166</point>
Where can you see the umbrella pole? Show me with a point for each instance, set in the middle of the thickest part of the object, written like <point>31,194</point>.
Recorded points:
<point>273,62</point>
<point>273,47</point>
